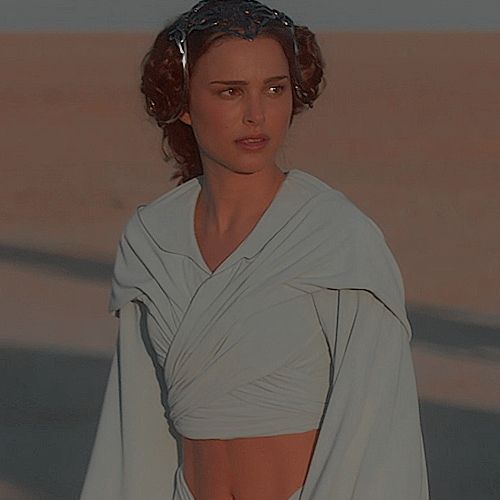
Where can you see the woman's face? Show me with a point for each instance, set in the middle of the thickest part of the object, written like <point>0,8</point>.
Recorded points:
<point>256,99</point>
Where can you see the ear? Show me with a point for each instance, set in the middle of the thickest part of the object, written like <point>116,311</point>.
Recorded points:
<point>185,118</point>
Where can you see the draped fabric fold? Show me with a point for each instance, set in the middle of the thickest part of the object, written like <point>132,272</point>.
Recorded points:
<point>312,242</point>
<point>135,453</point>
<point>370,444</point>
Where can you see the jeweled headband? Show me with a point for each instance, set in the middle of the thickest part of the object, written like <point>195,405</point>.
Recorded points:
<point>224,16</point>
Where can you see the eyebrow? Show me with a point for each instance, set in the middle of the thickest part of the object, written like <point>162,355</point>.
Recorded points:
<point>243,82</point>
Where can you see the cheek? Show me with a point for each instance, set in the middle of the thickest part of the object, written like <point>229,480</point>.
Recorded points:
<point>213,125</point>
<point>280,115</point>
<point>215,118</point>
<point>282,107</point>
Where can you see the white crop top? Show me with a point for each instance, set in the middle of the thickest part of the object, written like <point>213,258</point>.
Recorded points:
<point>289,399</point>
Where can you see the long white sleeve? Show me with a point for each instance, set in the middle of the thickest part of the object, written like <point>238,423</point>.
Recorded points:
<point>134,454</point>
<point>370,445</point>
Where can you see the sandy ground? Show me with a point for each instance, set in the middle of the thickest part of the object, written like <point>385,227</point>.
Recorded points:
<point>407,127</point>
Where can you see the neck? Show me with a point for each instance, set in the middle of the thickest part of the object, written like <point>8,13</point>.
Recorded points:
<point>227,198</point>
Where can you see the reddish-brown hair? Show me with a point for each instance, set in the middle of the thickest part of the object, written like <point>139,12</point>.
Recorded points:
<point>162,84</point>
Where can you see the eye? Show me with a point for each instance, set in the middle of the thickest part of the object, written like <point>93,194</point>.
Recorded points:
<point>279,87</point>
<point>231,89</point>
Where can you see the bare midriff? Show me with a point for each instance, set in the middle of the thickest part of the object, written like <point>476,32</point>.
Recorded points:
<point>267,467</point>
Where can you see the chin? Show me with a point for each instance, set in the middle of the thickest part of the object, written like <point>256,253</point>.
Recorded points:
<point>255,160</point>
<point>255,166</point>
<point>245,163</point>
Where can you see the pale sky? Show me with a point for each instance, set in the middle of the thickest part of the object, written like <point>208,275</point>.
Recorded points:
<point>339,15</point>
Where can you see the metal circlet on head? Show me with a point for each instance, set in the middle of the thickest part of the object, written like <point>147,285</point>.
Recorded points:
<point>222,16</point>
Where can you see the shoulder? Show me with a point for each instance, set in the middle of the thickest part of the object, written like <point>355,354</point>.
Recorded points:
<point>164,216</point>
<point>348,231</point>
<point>336,210</point>
<point>356,250</point>
<point>170,200</point>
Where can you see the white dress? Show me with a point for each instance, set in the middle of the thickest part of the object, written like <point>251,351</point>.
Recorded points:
<point>195,348</point>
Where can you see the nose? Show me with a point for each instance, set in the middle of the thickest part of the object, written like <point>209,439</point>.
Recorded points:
<point>254,110</point>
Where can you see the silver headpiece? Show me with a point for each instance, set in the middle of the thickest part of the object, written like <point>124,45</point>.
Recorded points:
<point>224,16</point>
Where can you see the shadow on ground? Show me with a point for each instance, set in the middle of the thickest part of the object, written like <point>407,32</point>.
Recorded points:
<point>48,418</point>
<point>51,403</point>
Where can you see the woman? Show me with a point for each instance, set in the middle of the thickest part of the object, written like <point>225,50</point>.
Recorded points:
<point>261,313</point>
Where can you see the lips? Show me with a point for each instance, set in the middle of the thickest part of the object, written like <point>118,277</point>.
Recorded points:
<point>253,138</point>
<point>253,143</point>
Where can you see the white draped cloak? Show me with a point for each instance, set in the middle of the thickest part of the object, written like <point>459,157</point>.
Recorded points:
<point>311,238</point>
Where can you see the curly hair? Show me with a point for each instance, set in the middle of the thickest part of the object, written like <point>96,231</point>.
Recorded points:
<point>162,85</point>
